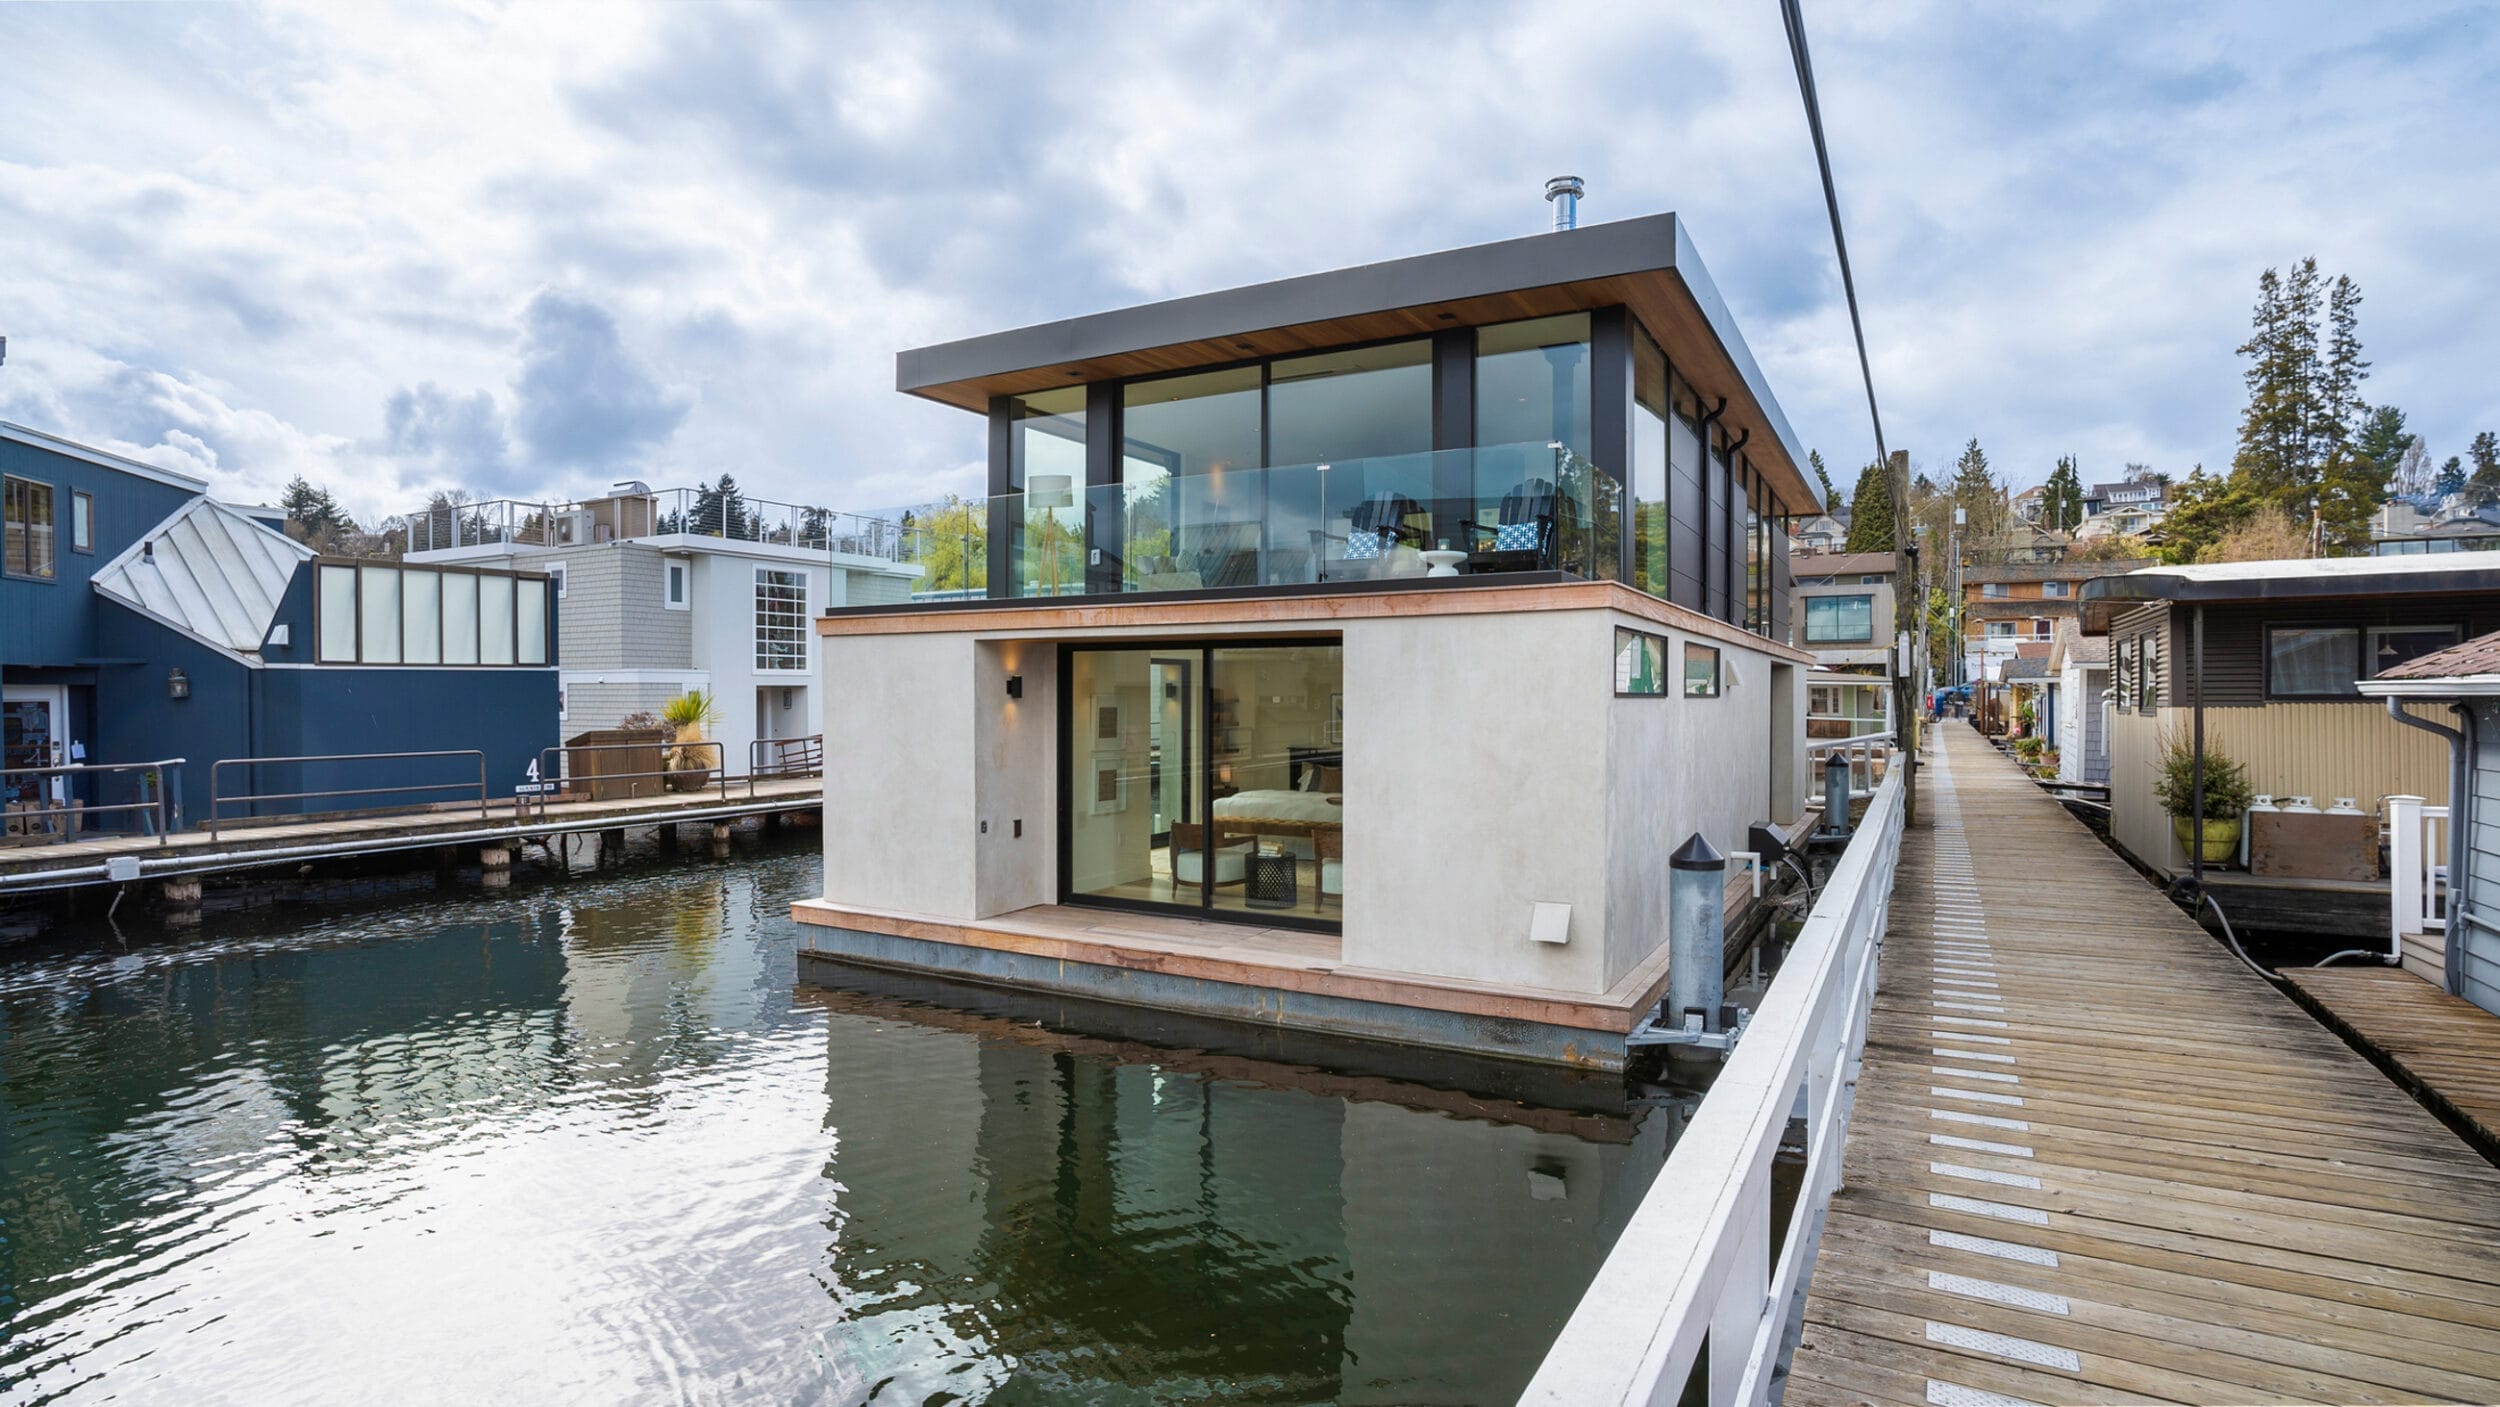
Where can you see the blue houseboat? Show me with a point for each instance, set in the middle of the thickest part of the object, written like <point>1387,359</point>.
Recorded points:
<point>142,621</point>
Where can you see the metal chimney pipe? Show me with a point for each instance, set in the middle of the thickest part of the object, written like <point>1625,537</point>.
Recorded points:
<point>1565,193</point>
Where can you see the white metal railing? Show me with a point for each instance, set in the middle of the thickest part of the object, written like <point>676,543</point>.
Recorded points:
<point>1694,1266</point>
<point>2417,868</point>
<point>1865,752</point>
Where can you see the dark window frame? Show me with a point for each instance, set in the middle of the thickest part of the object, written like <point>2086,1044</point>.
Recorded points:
<point>1204,647</point>
<point>82,505</point>
<point>53,577</point>
<point>439,569</point>
<point>1718,672</point>
<point>1668,681</point>
<point>2360,645</point>
<point>1868,638</point>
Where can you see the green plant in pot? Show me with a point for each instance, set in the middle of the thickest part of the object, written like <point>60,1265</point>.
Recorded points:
<point>2226,798</point>
<point>689,718</point>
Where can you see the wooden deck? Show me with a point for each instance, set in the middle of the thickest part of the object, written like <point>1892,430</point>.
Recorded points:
<point>2444,1048</point>
<point>2094,1159</point>
<point>28,866</point>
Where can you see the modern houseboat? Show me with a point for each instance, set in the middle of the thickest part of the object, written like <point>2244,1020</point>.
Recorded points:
<point>1347,652</point>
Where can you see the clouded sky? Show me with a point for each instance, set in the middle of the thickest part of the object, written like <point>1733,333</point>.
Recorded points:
<point>530,249</point>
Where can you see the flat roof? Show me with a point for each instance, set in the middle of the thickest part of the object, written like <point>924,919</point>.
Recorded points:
<point>2312,579</point>
<point>1647,264</point>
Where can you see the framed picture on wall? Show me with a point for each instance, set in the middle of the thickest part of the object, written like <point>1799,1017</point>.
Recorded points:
<point>1106,721</point>
<point>1336,718</point>
<point>1109,793</point>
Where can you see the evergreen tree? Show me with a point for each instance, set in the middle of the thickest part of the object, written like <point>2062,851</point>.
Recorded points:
<point>1981,498</point>
<point>2339,399</point>
<point>1823,476</point>
<point>2304,407</point>
<point>2203,510</point>
<point>2382,440</point>
<point>1871,512</point>
<point>2451,478</point>
<point>2061,506</point>
<point>2350,489</point>
<point>314,508</point>
<point>2485,453</point>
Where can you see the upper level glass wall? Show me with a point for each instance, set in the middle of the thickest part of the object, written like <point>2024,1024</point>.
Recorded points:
<point>1650,504</point>
<point>1046,462</point>
<point>1179,436</point>
<point>1362,403</point>
<point>1532,388</point>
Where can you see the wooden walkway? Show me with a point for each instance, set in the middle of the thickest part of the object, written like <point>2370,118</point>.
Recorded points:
<point>34,865</point>
<point>2444,1048</point>
<point>2094,1159</point>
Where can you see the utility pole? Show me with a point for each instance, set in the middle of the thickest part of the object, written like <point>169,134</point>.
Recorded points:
<point>1905,715</point>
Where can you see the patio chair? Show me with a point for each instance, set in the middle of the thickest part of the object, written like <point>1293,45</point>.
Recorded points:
<point>1521,538</point>
<point>1376,530</point>
<point>1190,856</point>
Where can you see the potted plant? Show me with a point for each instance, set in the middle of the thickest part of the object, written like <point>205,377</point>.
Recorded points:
<point>688,717</point>
<point>2226,799</point>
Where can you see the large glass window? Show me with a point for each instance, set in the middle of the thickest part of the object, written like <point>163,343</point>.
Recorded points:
<point>494,620</point>
<point>1532,391</point>
<point>420,616</point>
<point>1046,463</point>
<point>377,591</point>
<point>1651,508</point>
<point>336,607</point>
<point>780,619</point>
<point>529,617</point>
<point>459,618</point>
<point>1840,620</point>
<point>1211,778</point>
<point>1192,522</point>
<point>28,537</point>
<point>2312,663</point>
<point>1364,403</point>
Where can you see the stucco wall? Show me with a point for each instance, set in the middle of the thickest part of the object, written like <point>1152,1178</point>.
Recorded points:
<point>1489,766</point>
<point>900,761</point>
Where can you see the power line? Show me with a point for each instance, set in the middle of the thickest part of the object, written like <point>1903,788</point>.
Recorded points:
<point>1795,20</point>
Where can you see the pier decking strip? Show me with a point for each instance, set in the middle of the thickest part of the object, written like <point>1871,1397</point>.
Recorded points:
<point>2442,1047</point>
<point>31,865</point>
<point>2169,1184</point>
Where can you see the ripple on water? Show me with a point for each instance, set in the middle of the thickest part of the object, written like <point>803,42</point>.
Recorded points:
<point>585,1143</point>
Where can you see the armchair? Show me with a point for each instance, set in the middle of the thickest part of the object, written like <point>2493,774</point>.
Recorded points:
<point>1521,538</point>
<point>1376,530</point>
<point>1191,858</point>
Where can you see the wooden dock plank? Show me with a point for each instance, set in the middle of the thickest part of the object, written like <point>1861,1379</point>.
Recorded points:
<point>2443,1047</point>
<point>2095,1159</point>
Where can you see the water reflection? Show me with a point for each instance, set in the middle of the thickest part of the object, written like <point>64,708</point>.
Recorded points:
<point>585,1144</point>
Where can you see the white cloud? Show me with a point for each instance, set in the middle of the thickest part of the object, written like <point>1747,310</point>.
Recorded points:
<point>301,238</point>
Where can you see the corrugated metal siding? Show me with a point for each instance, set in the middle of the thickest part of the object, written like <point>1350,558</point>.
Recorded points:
<point>54,623</point>
<point>2321,750</point>
<point>2235,636</point>
<point>2478,956</point>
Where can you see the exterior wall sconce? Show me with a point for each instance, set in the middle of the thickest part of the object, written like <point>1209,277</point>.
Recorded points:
<point>177,685</point>
<point>1015,686</point>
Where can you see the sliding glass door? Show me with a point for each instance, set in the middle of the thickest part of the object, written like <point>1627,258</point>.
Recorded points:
<point>1207,778</point>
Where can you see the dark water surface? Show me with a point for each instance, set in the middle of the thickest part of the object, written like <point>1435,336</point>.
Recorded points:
<point>588,1142</point>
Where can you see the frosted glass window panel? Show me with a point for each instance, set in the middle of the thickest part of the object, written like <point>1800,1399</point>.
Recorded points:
<point>494,620</point>
<point>338,615</point>
<point>459,618</point>
<point>421,617</point>
<point>377,593</point>
<point>532,621</point>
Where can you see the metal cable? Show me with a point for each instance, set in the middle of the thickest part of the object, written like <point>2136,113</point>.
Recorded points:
<point>1794,19</point>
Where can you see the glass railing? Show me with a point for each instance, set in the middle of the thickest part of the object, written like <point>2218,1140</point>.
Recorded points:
<point>698,512</point>
<point>1448,513</point>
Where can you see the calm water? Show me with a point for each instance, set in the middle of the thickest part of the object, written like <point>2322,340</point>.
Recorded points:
<point>589,1142</point>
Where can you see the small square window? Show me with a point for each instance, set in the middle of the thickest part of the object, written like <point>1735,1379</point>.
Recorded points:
<point>1640,663</point>
<point>1701,671</point>
<point>2312,662</point>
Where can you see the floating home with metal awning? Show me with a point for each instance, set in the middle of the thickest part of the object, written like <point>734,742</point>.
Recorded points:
<point>1347,651</point>
<point>2265,662</point>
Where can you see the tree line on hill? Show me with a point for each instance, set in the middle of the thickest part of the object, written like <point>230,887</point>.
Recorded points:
<point>2315,461</point>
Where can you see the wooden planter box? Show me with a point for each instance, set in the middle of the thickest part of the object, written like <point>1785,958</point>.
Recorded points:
<point>2297,845</point>
<point>608,774</point>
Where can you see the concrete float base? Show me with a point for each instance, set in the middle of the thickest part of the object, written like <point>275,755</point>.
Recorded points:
<point>1554,1028</point>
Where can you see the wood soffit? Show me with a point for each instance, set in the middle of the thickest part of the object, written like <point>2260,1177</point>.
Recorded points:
<point>1287,614</point>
